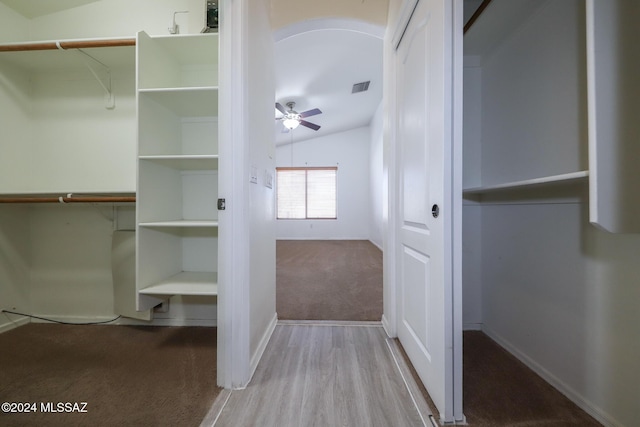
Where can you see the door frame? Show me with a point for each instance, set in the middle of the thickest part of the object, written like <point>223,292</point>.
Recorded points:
<point>390,244</point>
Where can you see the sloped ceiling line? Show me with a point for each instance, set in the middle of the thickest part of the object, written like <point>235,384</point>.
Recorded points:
<point>35,8</point>
<point>317,62</point>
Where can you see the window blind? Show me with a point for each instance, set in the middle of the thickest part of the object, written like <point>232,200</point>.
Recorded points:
<point>306,193</point>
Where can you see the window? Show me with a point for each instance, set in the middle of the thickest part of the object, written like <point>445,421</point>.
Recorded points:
<point>306,193</point>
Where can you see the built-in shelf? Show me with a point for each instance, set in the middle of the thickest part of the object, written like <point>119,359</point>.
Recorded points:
<point>185,162</point>
<point>185,283</point>
<point>177,240</point>
<point>562,179</point>
<point>186,101</point>
<point>183,223</point>
<point>68,194</point>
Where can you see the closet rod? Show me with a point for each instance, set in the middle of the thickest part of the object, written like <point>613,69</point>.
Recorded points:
<point>94,199</point>
<point>476,15</point>
<point>70,44</point>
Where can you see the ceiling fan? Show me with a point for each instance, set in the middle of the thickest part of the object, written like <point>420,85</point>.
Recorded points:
<point>291,118</point>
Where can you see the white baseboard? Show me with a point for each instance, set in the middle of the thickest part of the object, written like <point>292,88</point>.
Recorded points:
<point>210,323</point>
<point>262,345</point>
<point>583,403</point>
<point>322,238</point>
<point>387,327</point>
<point>331,323</point>
<point>376,245</point>
<point>12,324</point>
<point>472,327</point>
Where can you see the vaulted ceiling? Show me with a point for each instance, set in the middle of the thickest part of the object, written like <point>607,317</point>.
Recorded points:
<point>317,69</point>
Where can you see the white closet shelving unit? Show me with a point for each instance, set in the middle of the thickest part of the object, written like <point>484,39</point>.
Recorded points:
<point>532,126</point>
<point>177,227</point>
<point>557,110</point>
<point>546,181</point>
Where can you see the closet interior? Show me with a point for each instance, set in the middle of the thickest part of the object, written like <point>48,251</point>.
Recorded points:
<point>110,138</point>
<point>549,198</point>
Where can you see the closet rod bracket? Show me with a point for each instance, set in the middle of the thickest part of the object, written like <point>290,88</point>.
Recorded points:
<point>109,98</point>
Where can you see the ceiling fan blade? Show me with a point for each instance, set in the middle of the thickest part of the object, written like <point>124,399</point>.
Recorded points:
<point>280,108</point>
<point>309,125</point>
<point>310,113</point>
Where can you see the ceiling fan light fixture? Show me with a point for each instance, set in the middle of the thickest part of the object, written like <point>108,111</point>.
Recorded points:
<point>291,119</point>
<point>291,122</point>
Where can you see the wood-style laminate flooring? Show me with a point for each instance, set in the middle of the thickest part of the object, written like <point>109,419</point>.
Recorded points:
<point>326,375</point>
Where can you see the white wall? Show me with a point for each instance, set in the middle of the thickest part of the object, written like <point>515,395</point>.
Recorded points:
<point>471,215</point>
<point>15,106</point>
<point>472,266</point>
<point>78,145</point>
<point>14,263</point>
<point>388,171</point>
<point>260,90</point>
<point>119,18</point>
<point>71,262</point>
<point>470,7</point>
<point>349,151</point>
<point>534,121</point>
<point>13,26</point>
<point>563,297</point>
<point>376,180</point>
<point>62,134</point>
<point>472,124</point>
<point>15,109</point>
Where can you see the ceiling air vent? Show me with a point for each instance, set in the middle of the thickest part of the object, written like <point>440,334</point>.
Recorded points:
<point>360,87</point>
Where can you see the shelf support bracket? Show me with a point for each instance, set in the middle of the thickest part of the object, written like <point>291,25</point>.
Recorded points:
<point>109,98</point>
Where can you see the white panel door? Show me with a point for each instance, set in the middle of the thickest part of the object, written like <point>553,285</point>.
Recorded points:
<point>424,135</point>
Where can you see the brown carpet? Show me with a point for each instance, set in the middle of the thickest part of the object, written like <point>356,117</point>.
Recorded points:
<point>129,376</point>
<point>501,391</point>
<point>328,280</point>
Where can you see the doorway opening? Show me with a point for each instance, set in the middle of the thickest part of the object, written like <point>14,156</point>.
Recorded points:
<point>330,268</point>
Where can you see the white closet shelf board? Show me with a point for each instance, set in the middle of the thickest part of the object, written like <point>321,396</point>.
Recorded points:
<point>554,180</point>
<point>58,60</point>
<point>183,223</point>
<point>67,193</point>
<point>185,162</point>
<point>185,283</point>
<point>186,102</point>
<point>499,19</point>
